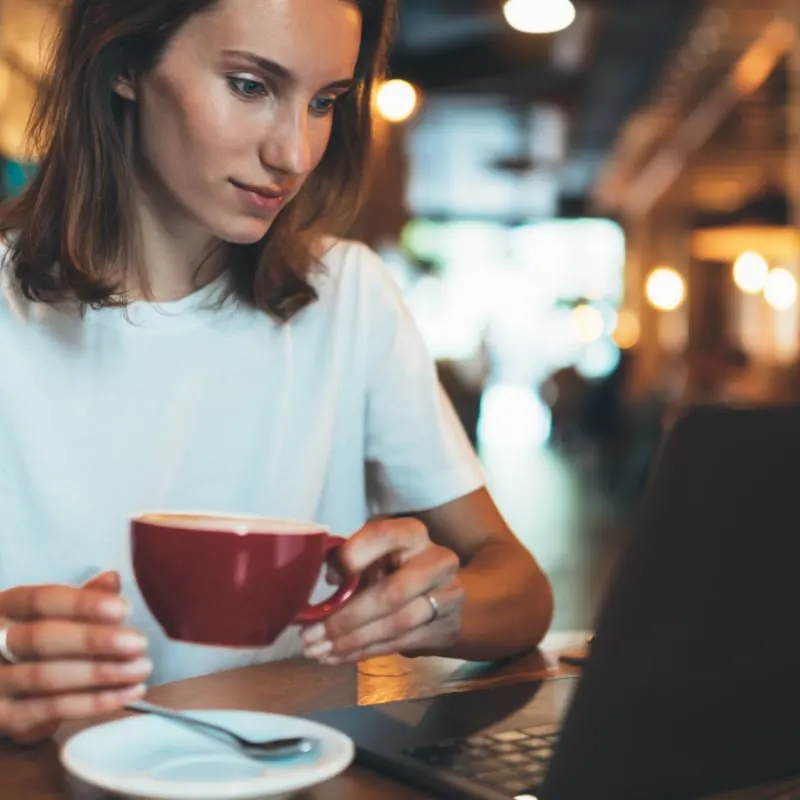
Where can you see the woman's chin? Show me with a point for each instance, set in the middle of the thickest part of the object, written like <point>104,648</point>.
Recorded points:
<point>248,231</point>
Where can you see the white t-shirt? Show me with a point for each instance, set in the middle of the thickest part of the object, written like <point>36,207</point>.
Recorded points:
<point>332,417</point>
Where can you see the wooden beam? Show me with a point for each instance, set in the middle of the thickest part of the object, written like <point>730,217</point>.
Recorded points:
<point>747,76</point>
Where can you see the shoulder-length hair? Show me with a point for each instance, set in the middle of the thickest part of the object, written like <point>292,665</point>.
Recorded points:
<point>71,233</point>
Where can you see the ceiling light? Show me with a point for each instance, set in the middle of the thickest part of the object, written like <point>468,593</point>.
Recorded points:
<point>396,100</point>
<point>628,330</point>
<point>750,272</point>
<point>666,289</point>
<point>539,16</point>
<point>781,289</point>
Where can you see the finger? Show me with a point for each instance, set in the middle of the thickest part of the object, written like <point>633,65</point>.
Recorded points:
<point>60,639</point>
<point>108,581</point>
<point>416,614</point>
<point>40,733</point>
<point>381,569</point>
<point>386,629</point>
<point>61,677</point>
<point>62,602</point>
<point>335,574</point>
<point>434,567</point>
<point>30,714</point>
<point>426,639</point>
<point>381,538</point>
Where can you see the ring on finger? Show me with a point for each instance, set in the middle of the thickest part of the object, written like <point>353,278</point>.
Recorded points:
<point>5,651</point>
<point>435,607</point>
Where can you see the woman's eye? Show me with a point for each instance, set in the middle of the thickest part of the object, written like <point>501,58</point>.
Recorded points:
<point>247,87</point>
<point>323,105</point>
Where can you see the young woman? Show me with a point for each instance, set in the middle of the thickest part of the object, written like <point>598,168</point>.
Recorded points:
<point>178,330</point>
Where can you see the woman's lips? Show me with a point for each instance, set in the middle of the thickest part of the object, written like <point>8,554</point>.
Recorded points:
<point>265,200</point>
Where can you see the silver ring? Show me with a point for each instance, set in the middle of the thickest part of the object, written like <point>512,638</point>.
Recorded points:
<point>434,607</point>
<point>5,652</point>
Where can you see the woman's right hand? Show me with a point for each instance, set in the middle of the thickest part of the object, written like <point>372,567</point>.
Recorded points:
<point>76,657</point>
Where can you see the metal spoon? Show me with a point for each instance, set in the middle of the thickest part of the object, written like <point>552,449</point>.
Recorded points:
<point>271,749</point>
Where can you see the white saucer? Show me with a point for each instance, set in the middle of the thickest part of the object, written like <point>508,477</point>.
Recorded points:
<point>150,757</point>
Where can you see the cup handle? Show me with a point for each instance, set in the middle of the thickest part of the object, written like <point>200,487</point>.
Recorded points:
<point>348,588</point>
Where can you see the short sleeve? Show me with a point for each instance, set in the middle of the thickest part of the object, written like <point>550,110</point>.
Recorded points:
<point>417,452</point>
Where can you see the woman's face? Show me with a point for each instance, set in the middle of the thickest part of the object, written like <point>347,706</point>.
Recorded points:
<point>237,113</point>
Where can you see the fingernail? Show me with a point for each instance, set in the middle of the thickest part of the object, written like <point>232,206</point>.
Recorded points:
<point>330,661</point>
<point>129,641</point>
<point>142,666</point>
<point>314,634</point>
<point>319,649</point>
<point>110,579</point>
<point>134,693</point>
<point>115,608</point>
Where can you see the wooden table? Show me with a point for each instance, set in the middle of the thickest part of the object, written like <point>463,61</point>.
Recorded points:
<point>297,687</point>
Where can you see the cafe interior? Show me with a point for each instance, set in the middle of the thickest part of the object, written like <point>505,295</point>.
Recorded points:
<point>591,210</point>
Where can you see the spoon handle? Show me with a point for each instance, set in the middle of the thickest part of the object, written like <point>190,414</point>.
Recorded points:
<point>275,747</point>
<point>143,707</point>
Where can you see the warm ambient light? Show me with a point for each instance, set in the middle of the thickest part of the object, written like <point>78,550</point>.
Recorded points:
<point>750,272</point>
<point>396,100</point>
<point>626,334</point>
<point>780,291</point>
<point>666,289</point>
<point>539,16</point>
<point>588,323</point>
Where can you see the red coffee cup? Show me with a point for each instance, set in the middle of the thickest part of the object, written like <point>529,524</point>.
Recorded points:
<point>231,580</point>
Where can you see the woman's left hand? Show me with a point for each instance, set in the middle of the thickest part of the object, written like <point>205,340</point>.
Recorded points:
<point>410,599</point>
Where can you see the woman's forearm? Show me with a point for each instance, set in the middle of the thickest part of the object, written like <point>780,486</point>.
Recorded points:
<point>509,603</point>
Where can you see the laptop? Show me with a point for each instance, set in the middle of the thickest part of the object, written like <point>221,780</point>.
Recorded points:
<point>692,686</point>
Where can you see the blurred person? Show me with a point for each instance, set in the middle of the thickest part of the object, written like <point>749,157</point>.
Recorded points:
<point>712,375</point>
<point>606,420</point>
<point>180,330</point>
<point>564,392</point>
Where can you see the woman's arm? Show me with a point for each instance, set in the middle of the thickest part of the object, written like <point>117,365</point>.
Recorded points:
<point>452,579</point>
<point>493,601</point>
<point>508,601</point>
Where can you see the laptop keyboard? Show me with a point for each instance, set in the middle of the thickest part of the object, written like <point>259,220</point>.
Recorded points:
<point>510,762</point>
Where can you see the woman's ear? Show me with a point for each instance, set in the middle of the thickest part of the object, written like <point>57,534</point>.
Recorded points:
<point>125,86</point>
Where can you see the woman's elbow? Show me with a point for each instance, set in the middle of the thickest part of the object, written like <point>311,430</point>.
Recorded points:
<point>542,605</point>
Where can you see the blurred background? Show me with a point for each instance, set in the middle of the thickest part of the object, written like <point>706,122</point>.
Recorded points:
<point>591,210</point>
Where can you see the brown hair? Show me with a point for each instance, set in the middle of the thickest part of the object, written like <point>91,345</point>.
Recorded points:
<point>70,234</point>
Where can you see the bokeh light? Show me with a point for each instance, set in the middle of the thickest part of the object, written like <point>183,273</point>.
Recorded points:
<point>666,289</point>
